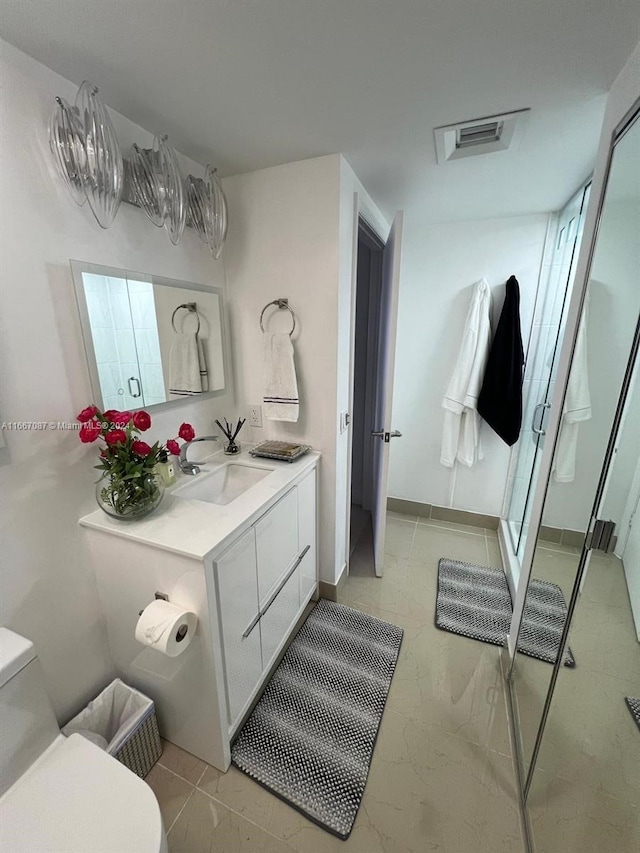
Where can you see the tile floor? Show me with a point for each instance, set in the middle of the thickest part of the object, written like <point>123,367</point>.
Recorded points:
<point>442,777</point>
<point>585,796</point>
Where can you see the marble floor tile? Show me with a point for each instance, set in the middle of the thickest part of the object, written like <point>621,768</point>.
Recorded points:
<point>171,791</point>
<point>590,734</point>
<point>430,790</point>
<point>432,543</point>
<point>494,556</point>
<point>207,826</point>
<point>604,640</point>
<point>559,567</point>
<point>181,763</point>
<point>566,817</point>
<point>399,535</point>
<point>452,525</point>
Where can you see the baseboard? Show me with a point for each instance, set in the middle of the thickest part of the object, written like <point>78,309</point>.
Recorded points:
<point>561,536</point>
<point>442,513</point>
<point>331,591</point>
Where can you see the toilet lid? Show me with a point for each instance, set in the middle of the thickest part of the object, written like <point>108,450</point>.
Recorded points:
<point>76,799</point>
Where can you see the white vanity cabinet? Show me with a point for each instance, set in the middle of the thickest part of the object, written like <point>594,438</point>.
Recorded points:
<point>246,569</point>
<point>263,582</point>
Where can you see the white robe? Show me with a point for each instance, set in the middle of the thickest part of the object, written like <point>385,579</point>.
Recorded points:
<point>461,432</point>
<point>576,409</point>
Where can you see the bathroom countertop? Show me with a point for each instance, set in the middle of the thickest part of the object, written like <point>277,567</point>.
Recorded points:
<point>195,528</point>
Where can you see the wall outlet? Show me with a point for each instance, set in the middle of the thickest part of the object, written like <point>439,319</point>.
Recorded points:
<point>255,416</point>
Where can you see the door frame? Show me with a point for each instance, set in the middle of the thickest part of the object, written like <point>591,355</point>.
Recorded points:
<point>373,336</point>
<point>371,221</point>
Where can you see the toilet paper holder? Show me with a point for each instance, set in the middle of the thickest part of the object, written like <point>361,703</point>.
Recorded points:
<point>162,595</point>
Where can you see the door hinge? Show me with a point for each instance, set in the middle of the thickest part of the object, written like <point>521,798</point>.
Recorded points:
<point>603,536</point>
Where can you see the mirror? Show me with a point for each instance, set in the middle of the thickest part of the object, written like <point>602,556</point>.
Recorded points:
<point>583,737</point>
<point>150,340</point>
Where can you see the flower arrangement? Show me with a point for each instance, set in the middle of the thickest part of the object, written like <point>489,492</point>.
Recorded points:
<point>128,488</point>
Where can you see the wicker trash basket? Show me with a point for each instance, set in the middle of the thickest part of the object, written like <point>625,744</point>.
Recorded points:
<point>122,721</point>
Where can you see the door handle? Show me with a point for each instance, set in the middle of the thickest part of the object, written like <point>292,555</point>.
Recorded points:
<point>137,381</point>
<point>386,436</point>
<point>534,428</point>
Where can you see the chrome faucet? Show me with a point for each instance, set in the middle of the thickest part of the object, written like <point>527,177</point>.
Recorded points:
<point>191,467</point>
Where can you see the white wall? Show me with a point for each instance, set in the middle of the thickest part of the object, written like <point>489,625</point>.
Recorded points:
<point>295,236</point>
<point>283,242</point>
<point>48,587</point>
<point>440,264</point>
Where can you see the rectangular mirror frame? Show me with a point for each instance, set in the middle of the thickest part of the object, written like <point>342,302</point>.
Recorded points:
<point>80,267</point>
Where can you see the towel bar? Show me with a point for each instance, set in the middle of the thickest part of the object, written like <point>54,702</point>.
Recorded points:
<point>280,303</point>
<point>189,306</point>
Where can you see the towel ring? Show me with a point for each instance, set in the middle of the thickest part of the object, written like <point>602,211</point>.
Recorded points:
<point>188,306</point>
<point>281,303</point>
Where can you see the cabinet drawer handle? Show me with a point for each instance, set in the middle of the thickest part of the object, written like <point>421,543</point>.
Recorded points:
<point>274,595</point>
<point>283,582</point>
<point>251,625</point>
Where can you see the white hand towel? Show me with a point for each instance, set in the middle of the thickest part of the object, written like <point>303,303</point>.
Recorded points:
<point>461,432</point>
<point>187,366</point>
<point>281,401</point>
<point>576,409</point>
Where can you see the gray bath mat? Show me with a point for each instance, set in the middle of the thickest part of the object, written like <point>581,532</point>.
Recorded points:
<point>475,601</point>
<point>634,708</point>
<point>310,738</point>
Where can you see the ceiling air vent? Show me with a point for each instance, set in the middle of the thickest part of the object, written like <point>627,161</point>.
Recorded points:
<point>480,136</point>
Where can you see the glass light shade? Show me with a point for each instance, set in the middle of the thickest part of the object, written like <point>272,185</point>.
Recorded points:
<point>218,218</point>
<point>175,202</point>
<point>146,184</point>
<point>103,176</point>
<point>198,204</point>
<point>66,141</point>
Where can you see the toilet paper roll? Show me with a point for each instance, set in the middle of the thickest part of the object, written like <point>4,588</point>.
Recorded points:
<point>166,627</point>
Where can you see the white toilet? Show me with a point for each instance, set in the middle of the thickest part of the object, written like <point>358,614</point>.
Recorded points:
<point>57,794</point>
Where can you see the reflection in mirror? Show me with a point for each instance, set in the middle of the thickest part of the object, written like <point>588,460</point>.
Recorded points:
<point>149,340</point>
<point>590,736</point>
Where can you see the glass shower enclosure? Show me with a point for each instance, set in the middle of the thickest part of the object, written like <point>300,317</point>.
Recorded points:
<point>552,300</point>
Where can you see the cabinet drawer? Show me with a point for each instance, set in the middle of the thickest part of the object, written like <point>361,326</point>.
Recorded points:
<point>236,578</point>
<point>276,542</point>
<point>278,617</point>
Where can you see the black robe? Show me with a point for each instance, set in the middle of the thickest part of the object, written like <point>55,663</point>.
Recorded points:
<point>500,400</point>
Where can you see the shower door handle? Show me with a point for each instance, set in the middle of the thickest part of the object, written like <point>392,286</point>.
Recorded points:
<point>534,429</point>
<point>137,381</point>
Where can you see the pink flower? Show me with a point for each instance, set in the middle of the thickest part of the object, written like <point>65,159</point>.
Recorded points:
<point>141,421</point>
<point>89,431</point>
<point>141,448</point>
<point>187,432</point>
<point>115,436</point>
<point>86,414</point>
<point>173,447</point>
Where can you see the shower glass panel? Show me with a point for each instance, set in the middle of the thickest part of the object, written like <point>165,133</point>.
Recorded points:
<point>579,746</point>
<point>587,771</point>
<point>544,346</point>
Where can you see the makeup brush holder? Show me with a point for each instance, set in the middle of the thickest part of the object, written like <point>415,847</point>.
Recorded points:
<point>232,448</point>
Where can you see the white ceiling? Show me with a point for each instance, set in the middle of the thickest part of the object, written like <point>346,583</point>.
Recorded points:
<point>253,83</point>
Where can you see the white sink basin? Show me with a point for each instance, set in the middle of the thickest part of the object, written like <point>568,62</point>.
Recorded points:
<point>223,485</point>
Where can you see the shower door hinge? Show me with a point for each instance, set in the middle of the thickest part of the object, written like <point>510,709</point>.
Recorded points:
<point>603,536</point>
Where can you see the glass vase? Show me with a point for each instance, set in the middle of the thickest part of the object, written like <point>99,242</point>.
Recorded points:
<point>132,499</point>
<point>231,448</point>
